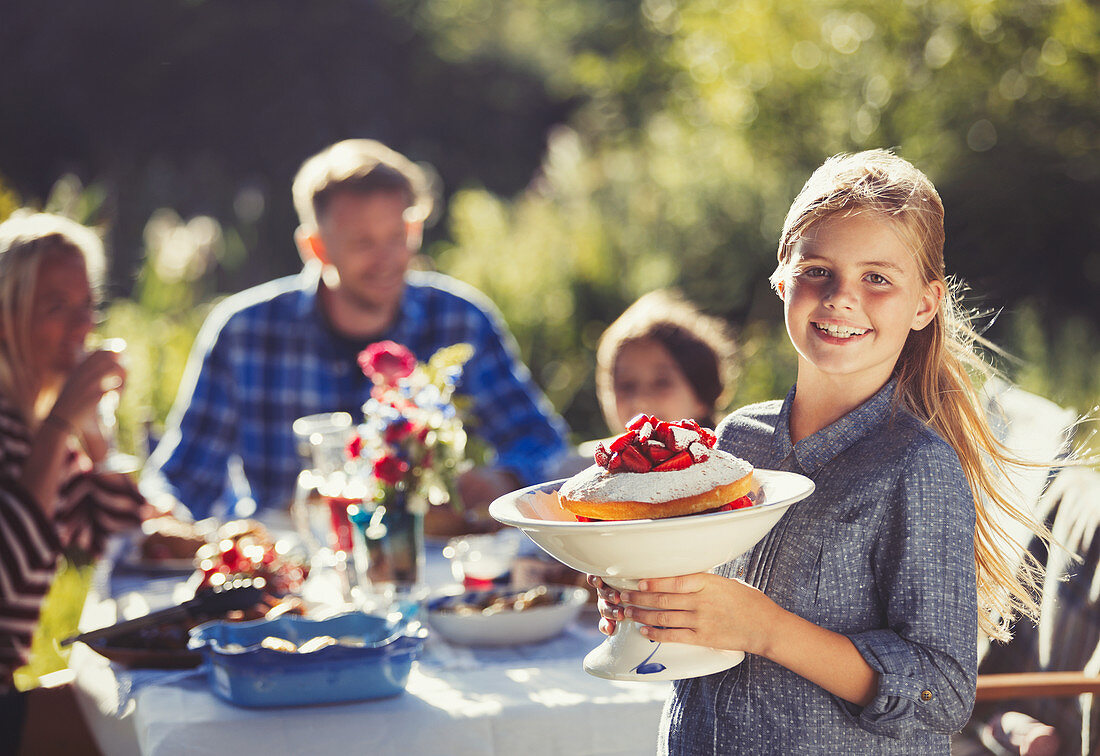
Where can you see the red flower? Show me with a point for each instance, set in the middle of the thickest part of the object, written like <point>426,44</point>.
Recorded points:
<point>390,469</point>
<point>398,430</point>
<point>354,447</point>
<point>387,362</point>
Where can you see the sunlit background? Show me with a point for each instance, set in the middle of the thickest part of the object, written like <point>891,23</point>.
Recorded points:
<point>587,151</point>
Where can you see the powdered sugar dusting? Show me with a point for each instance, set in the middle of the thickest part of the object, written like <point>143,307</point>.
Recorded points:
<point>598,485</point>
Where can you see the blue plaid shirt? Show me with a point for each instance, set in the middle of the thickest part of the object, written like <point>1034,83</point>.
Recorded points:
<point>883,552</point>
<point>267,356</point>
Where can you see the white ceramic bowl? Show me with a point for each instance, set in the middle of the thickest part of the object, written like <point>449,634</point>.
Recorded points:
<point>624,552</point>
<point>635,549</point>
<point>510,628</point>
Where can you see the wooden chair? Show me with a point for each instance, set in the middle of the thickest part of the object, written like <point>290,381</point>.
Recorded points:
<point>1016,685</point>
<point>1059,659</point>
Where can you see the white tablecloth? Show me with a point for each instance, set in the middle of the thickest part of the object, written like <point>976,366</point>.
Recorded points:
<point>457,702</point>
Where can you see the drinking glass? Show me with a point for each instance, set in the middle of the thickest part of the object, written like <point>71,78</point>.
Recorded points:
<point>325,488</point>
<point>482,561</point>
<point>107,410</point>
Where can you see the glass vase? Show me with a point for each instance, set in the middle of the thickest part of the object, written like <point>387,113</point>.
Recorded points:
<point>392,546</point>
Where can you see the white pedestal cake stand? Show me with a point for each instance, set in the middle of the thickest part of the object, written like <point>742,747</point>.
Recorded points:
<point>624,552</point>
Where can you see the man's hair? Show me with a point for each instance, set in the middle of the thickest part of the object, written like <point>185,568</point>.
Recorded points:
<point>358,166</point>
<point>700,345</point>
<point>26,240</point>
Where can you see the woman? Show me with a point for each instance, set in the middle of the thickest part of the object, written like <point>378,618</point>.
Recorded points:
<point>52,498</point>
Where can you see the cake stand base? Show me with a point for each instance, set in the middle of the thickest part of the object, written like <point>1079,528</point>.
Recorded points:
<point>629,655</point>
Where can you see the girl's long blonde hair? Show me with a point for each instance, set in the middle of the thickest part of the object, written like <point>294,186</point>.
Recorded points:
<point>26,239</point>
<point>937,367</point>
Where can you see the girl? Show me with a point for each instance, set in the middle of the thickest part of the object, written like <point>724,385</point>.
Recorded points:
<point>860,610</point>
<point>51,497</point>
<point>665,358</point>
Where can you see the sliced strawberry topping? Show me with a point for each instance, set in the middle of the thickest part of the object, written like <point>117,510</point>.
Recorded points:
<point>623,441</point>
<point>634,461</point>
<point>661,433</point>
<point>602,455</point>
<point>657,452</point>
<point>679,461</point>
<point>698,451</point>
<point>741,503</point>
<point>652,444</point>
<point>681,438</point>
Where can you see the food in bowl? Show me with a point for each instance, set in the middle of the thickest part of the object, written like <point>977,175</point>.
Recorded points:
<point>245,549</point>
<point>506,618</point>
<point>659,469</point>
<point>169,540</point>
<point>492,602</point>
<point>347,657</point>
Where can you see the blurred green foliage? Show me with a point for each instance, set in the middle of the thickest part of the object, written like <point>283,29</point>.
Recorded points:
<point>700,121</point>
<point>59,619</point>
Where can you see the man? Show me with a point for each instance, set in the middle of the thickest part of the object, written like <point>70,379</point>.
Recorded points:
<point>288,348</point>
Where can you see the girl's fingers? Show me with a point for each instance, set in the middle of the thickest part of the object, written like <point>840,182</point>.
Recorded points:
<point>679,584</point>
<point>659,617</point>
<point>609,611</point>
<point>607,627</point>
<point>654,600</point>
<point>669,634</point>
<point>603,590</point>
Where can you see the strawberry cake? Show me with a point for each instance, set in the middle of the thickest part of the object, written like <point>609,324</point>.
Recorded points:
<point>659,469</point>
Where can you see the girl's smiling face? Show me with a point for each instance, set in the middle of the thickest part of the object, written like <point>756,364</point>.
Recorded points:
<point>852,294</point>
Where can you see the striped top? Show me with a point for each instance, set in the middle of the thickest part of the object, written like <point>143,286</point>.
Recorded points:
<point>90,507</point>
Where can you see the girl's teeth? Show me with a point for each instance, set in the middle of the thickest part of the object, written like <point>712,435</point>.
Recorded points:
<point>842,332</point>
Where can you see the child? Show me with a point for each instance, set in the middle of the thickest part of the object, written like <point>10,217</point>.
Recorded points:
<point>661,356</point>
<point>51,497</point>
<point>860,610</point>
<point>665,358</point>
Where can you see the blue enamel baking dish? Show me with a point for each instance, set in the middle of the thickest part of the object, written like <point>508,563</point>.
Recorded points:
<point>372,659</point>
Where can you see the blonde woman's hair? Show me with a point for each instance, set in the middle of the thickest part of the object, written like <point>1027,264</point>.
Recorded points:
<point>938,365</point>
<point>700,345</point>
<point>359,166</point>
<point>26,240</point>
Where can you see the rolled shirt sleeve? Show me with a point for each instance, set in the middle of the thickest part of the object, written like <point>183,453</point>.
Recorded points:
<point>926,657</point>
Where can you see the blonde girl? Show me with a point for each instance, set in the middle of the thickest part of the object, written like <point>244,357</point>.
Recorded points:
<point>860,610</point>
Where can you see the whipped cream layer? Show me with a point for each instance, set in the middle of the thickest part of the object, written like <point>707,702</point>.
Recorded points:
<point>596,484</point>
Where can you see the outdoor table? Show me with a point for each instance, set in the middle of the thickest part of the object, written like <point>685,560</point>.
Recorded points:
<point>533,699</point>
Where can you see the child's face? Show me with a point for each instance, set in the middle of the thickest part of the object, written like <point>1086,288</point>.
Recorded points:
<point>647,379</point>
<point>852,294</point>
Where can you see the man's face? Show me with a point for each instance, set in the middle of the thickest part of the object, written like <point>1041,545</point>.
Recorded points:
<point>366,239</point>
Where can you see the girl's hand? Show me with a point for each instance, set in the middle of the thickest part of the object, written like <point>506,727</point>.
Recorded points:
<point>701,609</point>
